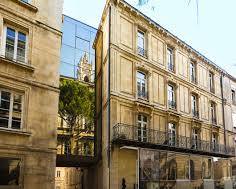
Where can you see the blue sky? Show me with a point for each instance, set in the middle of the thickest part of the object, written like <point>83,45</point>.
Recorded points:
<point>214,34</point>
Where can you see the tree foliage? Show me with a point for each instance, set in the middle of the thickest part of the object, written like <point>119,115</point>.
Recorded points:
<point>75,101</point>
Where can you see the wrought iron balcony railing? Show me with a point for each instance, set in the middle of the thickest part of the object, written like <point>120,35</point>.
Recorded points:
<point>193,79</point>
<point>212,89</point>
<point>142,94</point>
<point>171,104</point>
<point>142,52</point>
<point>195,113</point>
<point>137,136</point>
<point>171,67</point>
<point>214,121</point>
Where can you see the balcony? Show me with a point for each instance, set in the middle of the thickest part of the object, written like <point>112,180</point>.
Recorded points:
<point>130,135</point>
<point>193,79</point>
<point>171,67</point>
<point>142,95</point>
<point>172,104</point>
<point>213,121</point>
<point>195,114</point>
<point>212,89</point>
<point>142,52</point>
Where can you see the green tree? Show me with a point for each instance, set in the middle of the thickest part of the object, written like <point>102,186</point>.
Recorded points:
<point>75,101</point>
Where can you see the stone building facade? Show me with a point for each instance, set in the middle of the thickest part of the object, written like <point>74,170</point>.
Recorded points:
<point>161,107</point>
<point>30,39</point>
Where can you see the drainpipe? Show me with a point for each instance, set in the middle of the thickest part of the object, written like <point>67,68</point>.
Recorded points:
<point>108,102</point>
<point>223,109</point>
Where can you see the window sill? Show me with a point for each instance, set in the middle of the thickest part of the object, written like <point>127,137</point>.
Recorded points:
<point>14,131</point>
<point>26,5</point>
<point>25,66</point>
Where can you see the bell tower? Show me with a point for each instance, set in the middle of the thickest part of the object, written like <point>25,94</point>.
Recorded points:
<point>84,69</point>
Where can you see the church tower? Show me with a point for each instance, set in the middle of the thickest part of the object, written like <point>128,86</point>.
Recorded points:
<point>84,69</point>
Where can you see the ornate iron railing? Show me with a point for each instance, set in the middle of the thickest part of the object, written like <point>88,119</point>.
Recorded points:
<point>135,134</point>
<point>143,94</point>
<point>171,104</point>
<point>171,67</point>
<point>195,113</point>
<point>214,121</point>
<point>142,52</point>
<point>193,79</point>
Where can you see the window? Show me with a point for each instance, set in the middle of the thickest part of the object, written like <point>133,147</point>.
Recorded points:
<point>10,109</point>
<point>171,97</point>
<point>9,172</point>
<point>234,119</point>
<point>194,106</point>
<point>26,1</point>
<point>214,141</point>
<point>142,128</point>
<point>193,72</point>
<point>141,85</point>
<point>170,59</point>
<point>86,79</point>
<point>58,173</point>
<point>15,47</point>
<point>233,97</point>
<point>172,134</point>
<point>213,112</point>
<point>141,43</point>
<point>211,82</point>
<point>195,138</point>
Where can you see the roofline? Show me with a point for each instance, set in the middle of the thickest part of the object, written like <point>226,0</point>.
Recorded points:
<point>79,21</point>
<point>183,42</point>
<point>169,33</point>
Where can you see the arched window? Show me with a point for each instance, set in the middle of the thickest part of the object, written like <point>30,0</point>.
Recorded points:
<point>86,79</point>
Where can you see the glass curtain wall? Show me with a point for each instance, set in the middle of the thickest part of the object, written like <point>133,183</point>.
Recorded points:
<point>77,41</point>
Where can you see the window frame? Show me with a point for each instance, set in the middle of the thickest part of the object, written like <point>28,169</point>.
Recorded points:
<point>213,112</point>
<point>143,128</point>
<point>4,42</point>
<point>195,137</point>
<point>142,81</point>
<point>194,105</point>
<point>172,133</point>
<point>171,102</point>
<point>171,64</point>
<point>233,96</point>
<point>193,72</point>
<point>141,50</point>
<point>211,82</point>
<point>26,1</point>
<point>12,93</point>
